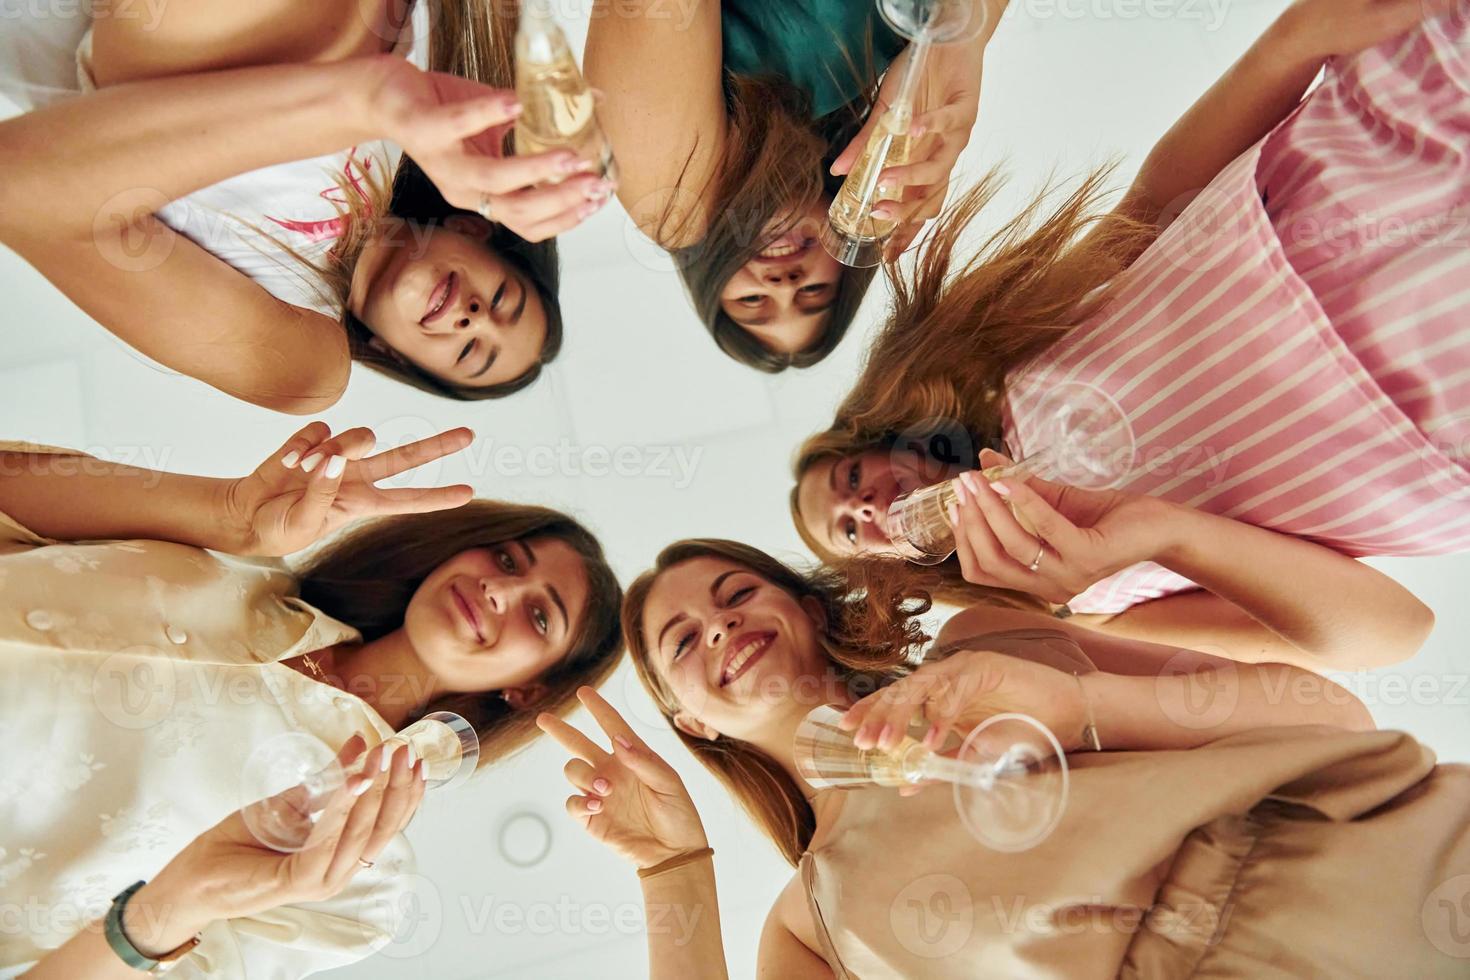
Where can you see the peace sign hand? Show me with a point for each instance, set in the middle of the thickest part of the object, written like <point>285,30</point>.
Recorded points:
<point>630,798</point>
<point>317,483</point>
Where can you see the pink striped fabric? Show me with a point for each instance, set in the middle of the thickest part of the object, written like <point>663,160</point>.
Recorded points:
<point>1294,350</point>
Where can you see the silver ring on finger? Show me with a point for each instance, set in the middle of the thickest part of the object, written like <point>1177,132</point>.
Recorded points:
<point>364,862</point>
<point>485,208</point>
<point>1036,562</point>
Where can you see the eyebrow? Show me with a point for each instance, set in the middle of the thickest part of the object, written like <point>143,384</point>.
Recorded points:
<point>566,621</point>
<point>515,316</point>
<point>714,588</point>
<point>489,362</point>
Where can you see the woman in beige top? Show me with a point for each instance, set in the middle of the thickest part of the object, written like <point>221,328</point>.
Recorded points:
<point>1245,820</point>
<point>142,660</point>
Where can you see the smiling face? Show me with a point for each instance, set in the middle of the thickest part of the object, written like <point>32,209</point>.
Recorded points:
<point>784,294</point>
<point>441,298</point>
<point>844,500</point>
<point>733,647</point>
<point>499,617</point>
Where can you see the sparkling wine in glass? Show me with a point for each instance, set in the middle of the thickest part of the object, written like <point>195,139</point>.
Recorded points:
<point>1088,442</point>
<point>289,779</point>
<point>558,109</point>
<point>852,235</point>
<point>1009,776</point>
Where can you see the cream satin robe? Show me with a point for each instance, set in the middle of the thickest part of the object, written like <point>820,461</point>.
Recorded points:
<point>135,679</point>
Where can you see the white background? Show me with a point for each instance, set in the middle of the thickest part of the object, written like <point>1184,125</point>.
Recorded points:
<point>1069,84</point>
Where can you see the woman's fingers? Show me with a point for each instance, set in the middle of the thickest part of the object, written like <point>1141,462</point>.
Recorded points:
<point>924,173</point>
<point>571,739</point>
<point>976,543</point>
<point>296,448</point>
<point>607,717</point>
<point>1051,527</point>
<point>578,808</point>
<point>958,118</point>
<point>541,212</point>
<point>401,459</point>
<point>353,444</point>
<point>502,178</point>
<point>404,790</point>
<point>1013,538</point>
<point>579,773</point>
<point>308,516</point>
<point>421,500</point>
<point>466,118</point>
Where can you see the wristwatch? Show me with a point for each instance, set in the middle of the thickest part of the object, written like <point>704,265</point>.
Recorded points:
<point>112,928</point>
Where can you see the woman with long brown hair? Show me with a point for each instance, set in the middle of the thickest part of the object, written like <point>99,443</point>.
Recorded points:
<point>222,197</point>
<point>1254,836</point>
<point>152,642</point>
<point>734,126</point>
<point>1285,356</point>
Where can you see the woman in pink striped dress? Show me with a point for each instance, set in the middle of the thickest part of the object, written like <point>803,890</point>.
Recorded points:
<point>1289,348</point>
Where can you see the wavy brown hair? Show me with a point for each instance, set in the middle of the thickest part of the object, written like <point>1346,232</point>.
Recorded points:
<point>776,161</point>
<point>959,327</point>
<point>872,637</point>
<point>366,577</point>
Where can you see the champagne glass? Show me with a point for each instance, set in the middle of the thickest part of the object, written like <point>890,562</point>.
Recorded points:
<point>1088,442</point>
<point>852,235</point>
<point>289,779</point>
<point>1009,776</point>
<point>558,109</point>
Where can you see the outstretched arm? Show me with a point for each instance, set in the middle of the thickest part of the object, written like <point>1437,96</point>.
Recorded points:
<point>313,485</point>
<point>660,67</point>
<point>1258,92</point>
<point>1311,605</point>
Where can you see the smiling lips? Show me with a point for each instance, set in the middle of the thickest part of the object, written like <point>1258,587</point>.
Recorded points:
<point>468,611</point>
<point>441,297</point>
<point>744,651</point>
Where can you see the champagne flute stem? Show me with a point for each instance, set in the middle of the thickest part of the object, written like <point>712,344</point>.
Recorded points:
<point>947,770</point>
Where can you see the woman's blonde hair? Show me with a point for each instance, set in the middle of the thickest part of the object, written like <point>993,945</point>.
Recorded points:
<point>366,578</point>
<point>958,328</point>
<point>870,638</point>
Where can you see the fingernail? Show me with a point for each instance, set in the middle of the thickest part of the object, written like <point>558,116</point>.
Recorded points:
<point>386,759</point>
<point>514,109</point>
<point>290,459</point>
<point>601,786</point>
<point>1001,488</point>
<point>599,191</point>
<point>970,482</point>
<point>917,129</point>
<point>412,755</point>
<point>882,213</point>
<point>623,742</point>
<point>310,462</point>
<point>594,806</point>
<point>961,491</point>
<point>885,734</point>
<point>588,210</point>
<point>954,515</point>
<point>574,164</point>
<point>361,787</point>
<point>422,772</point>
<point>335,466</point>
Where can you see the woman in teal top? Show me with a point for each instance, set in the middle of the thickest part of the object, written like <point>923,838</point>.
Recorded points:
<point>734,124</point>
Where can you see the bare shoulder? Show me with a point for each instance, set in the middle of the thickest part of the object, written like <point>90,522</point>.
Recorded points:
<point>790,948</point>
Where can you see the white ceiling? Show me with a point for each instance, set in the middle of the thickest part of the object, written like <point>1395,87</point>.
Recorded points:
<point>1069,84</point>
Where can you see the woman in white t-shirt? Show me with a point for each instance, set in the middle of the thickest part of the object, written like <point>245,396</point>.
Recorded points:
<point>222,197</point>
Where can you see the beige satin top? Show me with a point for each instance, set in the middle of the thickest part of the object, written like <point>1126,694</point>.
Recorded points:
<point>1287,852</point>
<point>136,677</point>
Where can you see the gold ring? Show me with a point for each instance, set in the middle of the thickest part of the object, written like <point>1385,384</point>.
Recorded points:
<point>1036,562</point>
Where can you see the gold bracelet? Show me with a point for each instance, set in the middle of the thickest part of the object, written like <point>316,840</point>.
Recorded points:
<point>677,861</point>
<point>1089,732</point>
